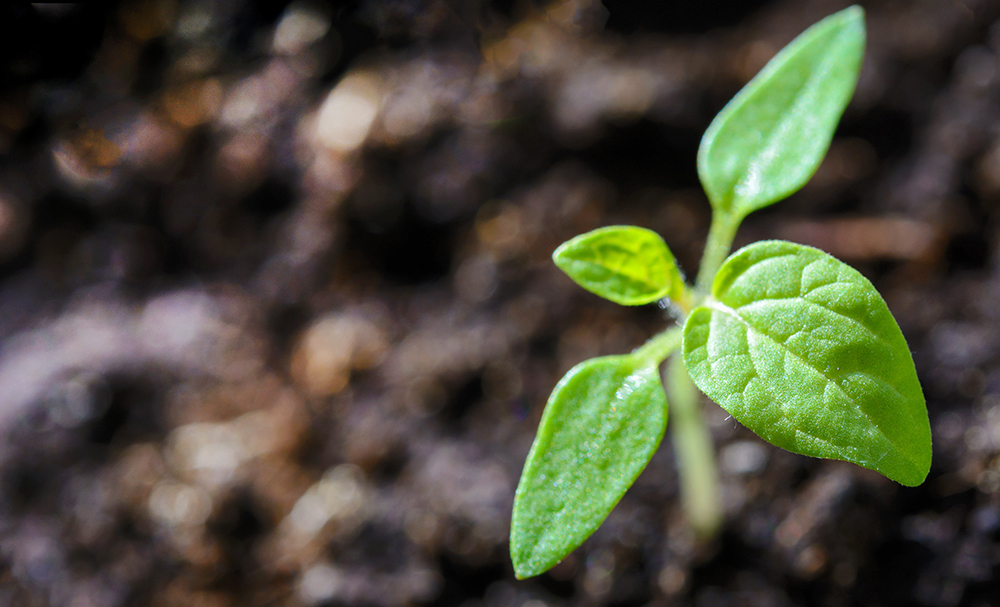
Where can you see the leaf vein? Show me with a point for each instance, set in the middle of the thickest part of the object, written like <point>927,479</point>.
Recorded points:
<point>799,298</point>
<point>720,307</point>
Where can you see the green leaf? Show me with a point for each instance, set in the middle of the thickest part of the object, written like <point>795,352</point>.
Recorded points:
<point>630,266</point>
<point>603,422</point>
<point>800,348</point>
<point>769,140</point>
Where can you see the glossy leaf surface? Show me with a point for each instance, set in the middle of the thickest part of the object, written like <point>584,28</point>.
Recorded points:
<point>630,266</point>
<point>603,422</point>
<point>769,140</point>
<point>800,348</point>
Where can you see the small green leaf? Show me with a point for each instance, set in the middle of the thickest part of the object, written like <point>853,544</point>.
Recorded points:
<point>630,266</point>
<point>769,140</point>
<point>801,349</point>
<point>603,422</point>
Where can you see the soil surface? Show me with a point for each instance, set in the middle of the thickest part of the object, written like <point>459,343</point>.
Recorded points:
<point>278,316</point>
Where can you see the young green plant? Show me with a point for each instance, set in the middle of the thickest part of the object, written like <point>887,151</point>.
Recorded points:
<point>796,345</point>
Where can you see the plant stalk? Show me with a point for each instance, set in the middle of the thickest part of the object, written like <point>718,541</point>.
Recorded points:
<point>720,241</point>
<point>695,453</point>
<point>660,346</point>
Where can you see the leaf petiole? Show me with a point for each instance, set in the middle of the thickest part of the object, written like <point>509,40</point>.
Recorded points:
<point>662,345</point>
<point>717,247</point>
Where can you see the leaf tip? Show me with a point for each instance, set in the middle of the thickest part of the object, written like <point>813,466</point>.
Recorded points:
<point>562,259</point>
<point>911,478</point>
<point>524,561</point>
<point>557,255</point>
<point>854,14</point>
<point>851,22</point>
<point>915,475</point>
<point>521,570</point>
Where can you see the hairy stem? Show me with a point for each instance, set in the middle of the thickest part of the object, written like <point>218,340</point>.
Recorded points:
<point>662,345</point>
<point>720,240</point>
<point>694,451</point>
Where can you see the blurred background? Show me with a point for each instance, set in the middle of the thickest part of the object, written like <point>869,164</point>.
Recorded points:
<point>278,317</point>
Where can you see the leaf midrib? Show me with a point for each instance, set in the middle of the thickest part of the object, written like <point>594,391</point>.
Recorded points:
<point>825,66</point>
<point>721,307</point>
<point>566,507</point>
<point>617,268</point>
<point>800,298</point>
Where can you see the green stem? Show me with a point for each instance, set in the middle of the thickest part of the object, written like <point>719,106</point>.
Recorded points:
<point>662,345</point>
<point>694,451</point>
<point>720,240</point>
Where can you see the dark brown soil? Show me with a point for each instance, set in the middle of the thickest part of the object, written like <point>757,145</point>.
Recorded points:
<point>278,317</point>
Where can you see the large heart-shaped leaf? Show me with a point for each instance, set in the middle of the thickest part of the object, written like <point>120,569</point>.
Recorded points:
<point>630,266</point>
<point>603,422</point>
<point>800,348</point>
<point>769,140</point>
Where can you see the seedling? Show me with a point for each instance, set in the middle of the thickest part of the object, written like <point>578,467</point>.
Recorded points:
<point>796,345</point>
